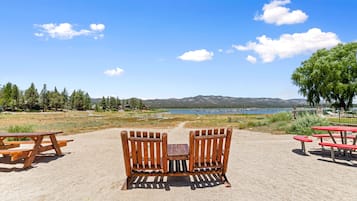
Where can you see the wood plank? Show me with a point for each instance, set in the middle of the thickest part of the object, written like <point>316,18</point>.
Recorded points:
<point>146,150</point>
<point>164,152</point>
<point>152,151</point>
<point>227,149</point>
<point>209,147</point>
<point>139,150</point>
<point>125,143</point>
<point>158,152</point>
<point>192,151</point>
<point>203,148</point>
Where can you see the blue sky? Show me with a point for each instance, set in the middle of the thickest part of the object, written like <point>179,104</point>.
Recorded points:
<point>168,49</point>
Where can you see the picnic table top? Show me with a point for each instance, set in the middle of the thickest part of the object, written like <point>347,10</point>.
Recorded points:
<point>32,134</point>
<point>335,128</point>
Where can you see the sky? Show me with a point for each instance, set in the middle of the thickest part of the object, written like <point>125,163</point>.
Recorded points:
<point>168,49</point>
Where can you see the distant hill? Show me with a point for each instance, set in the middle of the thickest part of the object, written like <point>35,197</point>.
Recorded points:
<point>223,102</point>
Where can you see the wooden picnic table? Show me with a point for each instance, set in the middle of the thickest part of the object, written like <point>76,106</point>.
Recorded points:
<point>29,154</point>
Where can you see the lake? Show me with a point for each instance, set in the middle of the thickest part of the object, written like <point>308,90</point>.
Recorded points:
<point>229,111</point>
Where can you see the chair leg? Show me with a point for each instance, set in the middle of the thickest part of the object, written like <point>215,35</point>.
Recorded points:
<point>226,182</point>
<point>126,184</point>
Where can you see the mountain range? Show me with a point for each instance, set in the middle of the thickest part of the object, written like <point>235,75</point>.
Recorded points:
<point>223,102</point>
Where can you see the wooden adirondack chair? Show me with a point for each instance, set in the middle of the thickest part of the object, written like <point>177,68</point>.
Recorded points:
<point>145,154</point>
<point>209,151</point>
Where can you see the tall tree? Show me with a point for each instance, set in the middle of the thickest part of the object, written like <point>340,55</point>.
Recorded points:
<point>329,75</point>
<point>6,98</point>
<point>55,99</point>
<point>15,96</point>
<point>44,98</point>
<point>65,98</point>
<point>31,97</point>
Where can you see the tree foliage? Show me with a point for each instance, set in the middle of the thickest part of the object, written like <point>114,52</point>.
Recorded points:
<point>329,75</point>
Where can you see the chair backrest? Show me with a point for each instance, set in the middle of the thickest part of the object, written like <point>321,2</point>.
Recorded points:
<point>209,149</point>
<point>144,151</point>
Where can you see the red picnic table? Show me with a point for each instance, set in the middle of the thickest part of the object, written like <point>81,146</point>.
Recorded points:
<point>342,129</point>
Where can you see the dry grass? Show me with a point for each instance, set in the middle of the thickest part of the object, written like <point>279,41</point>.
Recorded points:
<point>78,122</point>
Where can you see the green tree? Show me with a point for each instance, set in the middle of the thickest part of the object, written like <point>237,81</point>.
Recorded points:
<point>65,98</point>
<point>103,103</point>
<point>44,98</point>
<point>15,96</point>
<point>6,99</point>
<point>329,75</point>
<point>55,99</point>
<point>31,97</point>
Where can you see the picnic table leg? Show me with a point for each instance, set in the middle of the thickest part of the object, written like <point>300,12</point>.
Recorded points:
<point>55,145</point>
<point>333,154</point>
<point>31,157</point>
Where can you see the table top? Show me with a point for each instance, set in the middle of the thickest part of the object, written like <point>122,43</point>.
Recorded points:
<point>335,128</point>
<point>174,150</point>
<point>34,134</point>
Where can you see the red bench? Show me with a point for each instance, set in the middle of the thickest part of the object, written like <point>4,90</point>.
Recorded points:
<point>350,147</point>
<point>302,139</point>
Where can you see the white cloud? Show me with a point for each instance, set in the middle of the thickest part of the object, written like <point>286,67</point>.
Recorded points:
<point>97,27</point>
<point>65,31</point>
<point>114,72</point>
<point>196,55</point>
<point>220,50</point>
<point>251,59</point>
<point>289,45</point>
<point>276,13</point>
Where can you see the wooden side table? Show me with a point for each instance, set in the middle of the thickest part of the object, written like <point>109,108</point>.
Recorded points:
<point>177,154</point>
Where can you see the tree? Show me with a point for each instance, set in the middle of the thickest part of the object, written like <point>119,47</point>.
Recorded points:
<point>65,98</point>
<point>44,98</point>
<point>6,96</point>
<point>56,99</point>
<point>329,75</point>
<point>15,96</point>
<point>31,97</point>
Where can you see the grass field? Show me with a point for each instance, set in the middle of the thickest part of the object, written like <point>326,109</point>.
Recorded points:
<point>73,122</point>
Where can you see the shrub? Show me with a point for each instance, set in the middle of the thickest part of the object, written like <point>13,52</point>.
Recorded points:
<point>20,129</point>
<point>281,116</point>
<point>303,124</point>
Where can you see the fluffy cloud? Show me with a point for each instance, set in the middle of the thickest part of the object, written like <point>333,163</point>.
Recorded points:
<point>65,31</point>
<point>196,55</point>
<point>251,59</point>
<point>289,45</point>
<point>114,72</point>
<point>276,13</point>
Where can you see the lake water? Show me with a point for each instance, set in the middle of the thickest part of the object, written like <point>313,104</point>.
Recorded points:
<point>229,111</point>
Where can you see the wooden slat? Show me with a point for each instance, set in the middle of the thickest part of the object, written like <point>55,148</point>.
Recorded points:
<point>192,151</point>
<point>227,149</point>
<point>124,140</point>
<point>197,147</point>
<point>139,150</point>
<point>202,147</point>
<point>209,147</point>
<point>220,150</point>
<point>214,148</point>
<point>146,149</point>
<point>164,152</point>
<point>152,151</point>
<point>158,152</point>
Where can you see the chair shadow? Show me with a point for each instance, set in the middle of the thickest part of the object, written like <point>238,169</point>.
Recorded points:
<point>40,158</point>
<point>194,182</point>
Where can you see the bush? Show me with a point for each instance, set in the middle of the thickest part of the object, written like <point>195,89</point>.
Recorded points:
<point>20,129</point>
<point>281,116</point>
<point>302,125</point>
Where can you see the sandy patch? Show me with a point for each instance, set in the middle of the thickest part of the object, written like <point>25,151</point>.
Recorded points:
<point>261,167</point>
